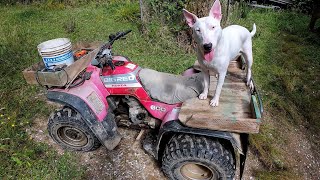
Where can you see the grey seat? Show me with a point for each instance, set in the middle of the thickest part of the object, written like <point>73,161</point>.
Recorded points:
<point>170,88</point>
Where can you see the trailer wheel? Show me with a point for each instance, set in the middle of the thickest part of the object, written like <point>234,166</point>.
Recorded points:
<point>67,128</point>
<point>197,158</point>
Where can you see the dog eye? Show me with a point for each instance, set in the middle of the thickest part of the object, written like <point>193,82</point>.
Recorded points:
<point>198,30</point>
<point>213,27</point>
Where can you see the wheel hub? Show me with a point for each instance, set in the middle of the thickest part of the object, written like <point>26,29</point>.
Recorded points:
<point>72,136</point>
<point>195,171</point>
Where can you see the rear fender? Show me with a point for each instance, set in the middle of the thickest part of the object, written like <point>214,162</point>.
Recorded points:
<point>239,142</point>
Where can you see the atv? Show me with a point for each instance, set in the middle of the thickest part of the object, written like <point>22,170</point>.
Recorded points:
<point>113,91</point>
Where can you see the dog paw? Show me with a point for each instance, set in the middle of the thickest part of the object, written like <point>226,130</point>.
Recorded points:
<point>214,102</point>
<point>203,96</point>
<point>250,84</point>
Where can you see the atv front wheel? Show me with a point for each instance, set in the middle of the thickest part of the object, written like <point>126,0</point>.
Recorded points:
<point>67,128</point>
<point>194,157</point>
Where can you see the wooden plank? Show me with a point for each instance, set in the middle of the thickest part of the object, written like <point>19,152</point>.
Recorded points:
<point>235,112</point>
<point>237,108</point>
<point>34,75</point>
<point>138,138</point>
<point>29,73</point>
<point>239,125</point>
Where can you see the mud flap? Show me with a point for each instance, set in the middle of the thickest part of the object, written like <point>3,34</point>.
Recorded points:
<point>243,157</point>
<point>106,131</point>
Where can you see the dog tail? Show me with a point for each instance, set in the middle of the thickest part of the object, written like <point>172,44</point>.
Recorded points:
<point>253,30</point>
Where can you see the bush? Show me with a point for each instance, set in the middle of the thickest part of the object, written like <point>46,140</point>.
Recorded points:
<point>65,2</point>
<point>127,10</point>
<point>304,6</point>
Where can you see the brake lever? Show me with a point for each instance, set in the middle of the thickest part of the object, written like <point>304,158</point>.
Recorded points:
<point>110,63</point>
<point>111,37</point>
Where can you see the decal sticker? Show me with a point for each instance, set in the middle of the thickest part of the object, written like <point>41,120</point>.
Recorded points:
<point>130,66</point>
<point>121,80</point>
<point>95,102</point>
<point>158,108</point>
<point>123,85</point>
<point>128,78</point>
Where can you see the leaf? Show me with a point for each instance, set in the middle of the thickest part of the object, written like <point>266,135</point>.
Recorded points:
<point>17,160</point>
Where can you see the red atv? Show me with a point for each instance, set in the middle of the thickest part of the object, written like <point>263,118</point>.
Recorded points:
<point>114,92</point>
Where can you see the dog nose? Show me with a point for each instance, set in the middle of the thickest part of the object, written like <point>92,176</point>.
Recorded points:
<point>207,46</point>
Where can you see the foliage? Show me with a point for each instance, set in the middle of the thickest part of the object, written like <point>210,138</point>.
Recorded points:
<point>283,175</point>
<point>286,64</point>
<point>285,68</point>
<point>22,28</point>
<point>169,10</point>
<point>126,10</point>
<point>303,6</point>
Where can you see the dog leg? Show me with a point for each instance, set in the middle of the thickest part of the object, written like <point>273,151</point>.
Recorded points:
<point>215,100</point>
<point>247,53</point>
<point>204,94</point>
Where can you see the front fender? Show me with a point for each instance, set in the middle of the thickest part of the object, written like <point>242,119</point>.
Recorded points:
<point>105,130</point>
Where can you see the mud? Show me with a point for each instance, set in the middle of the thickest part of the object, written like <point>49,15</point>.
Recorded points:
<point>127,161</point>
<point>130,161</point>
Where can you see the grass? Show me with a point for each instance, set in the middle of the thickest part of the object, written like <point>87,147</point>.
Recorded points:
<point>286,69</point>
<point>22,28</point>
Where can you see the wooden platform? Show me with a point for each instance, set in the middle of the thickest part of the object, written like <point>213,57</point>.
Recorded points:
<point>237,110</point>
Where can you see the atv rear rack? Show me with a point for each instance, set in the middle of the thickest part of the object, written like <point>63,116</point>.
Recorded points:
<point>240,108</point>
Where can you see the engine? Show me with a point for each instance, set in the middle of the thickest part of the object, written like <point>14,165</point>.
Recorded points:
<point>130,113</point>
<point>137,113</point>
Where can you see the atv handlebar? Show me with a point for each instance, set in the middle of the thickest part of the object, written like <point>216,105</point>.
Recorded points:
<point>112,39</point>
<point>104,56</point>
<point>119,35</point>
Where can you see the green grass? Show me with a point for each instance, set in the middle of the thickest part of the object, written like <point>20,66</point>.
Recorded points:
<point>22,28</point>
<point>286,68</point>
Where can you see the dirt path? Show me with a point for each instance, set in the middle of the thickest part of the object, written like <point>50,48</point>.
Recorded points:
<point>298,154</point>
<point>303,158</point>
<point>129,161</point>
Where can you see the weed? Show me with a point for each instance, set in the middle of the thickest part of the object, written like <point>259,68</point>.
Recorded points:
<point>128,11</point>
<point>286,69</point>
<point>286,59</point>
<point>22,28</point>
<point>283,175</point>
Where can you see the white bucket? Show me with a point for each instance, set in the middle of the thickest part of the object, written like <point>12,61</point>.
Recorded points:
<point>56,52</point>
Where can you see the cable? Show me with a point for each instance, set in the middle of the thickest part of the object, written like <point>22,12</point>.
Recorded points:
<point>53,71</point>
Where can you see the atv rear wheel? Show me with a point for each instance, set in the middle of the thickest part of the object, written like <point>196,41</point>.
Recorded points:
<point>67,128</point>
<point>197,158</point>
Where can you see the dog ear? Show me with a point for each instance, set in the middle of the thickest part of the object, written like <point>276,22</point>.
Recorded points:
<point>191,18</point>
<point>215,10</point>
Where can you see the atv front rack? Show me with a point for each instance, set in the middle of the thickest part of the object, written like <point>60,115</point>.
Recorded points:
<point>63,77</point>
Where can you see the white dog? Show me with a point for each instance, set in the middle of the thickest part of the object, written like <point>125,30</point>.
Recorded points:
<point>217,47</point>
